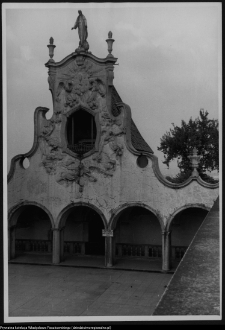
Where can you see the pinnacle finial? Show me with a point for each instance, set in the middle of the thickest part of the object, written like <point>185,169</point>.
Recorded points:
<point>110,43</point>
<point>194,159</point>
<point>51,47</point>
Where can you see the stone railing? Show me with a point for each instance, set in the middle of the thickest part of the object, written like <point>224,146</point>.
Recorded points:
<point>138,250</point>
<point>148,251</point>
<point>72,247</point>
<point>81,147</point>
<point>178,252</point>
<point>33,245</point>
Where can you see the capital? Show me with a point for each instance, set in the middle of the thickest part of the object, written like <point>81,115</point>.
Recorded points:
<point>107,232</point>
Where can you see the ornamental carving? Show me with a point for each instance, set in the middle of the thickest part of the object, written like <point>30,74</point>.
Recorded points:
<point>51,153</point>
<point>71,171</point>
<point>79,85</point>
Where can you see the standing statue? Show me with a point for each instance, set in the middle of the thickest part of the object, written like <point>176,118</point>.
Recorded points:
<point>81,24</point>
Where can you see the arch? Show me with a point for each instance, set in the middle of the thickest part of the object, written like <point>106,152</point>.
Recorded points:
<point>16,210</point>
<point>117,212</point>
<point>61,219</point>
<point>182,208</point>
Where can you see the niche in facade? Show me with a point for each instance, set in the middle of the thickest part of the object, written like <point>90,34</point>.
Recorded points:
<point>81,132</point>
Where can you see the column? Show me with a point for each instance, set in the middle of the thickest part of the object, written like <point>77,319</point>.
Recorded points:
<point>166,250</point>
<point>12,242</point>
<point>56,246</point>
<point>62,244</point>
<point>108,247</point>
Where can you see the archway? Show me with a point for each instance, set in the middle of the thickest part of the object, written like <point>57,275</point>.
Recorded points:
<point>183,227</point>
<point>82,233</point>
<point>137,235</point>
<point>30,231</point>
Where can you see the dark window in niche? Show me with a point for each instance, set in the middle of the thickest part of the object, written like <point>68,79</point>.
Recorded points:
<point>81,132</point>
<point>142,161</point>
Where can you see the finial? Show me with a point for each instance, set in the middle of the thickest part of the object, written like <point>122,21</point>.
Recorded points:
<point>110,44</point>
<point>194,158</point>
<point>51,49</point>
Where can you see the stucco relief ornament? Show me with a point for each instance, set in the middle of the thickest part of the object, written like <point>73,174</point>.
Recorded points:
<point>96,90</point>
<point>48,128</point>
<point>72,172</point>
<point>80,89</point>
<point>51,154</point>
<point>106,165</point>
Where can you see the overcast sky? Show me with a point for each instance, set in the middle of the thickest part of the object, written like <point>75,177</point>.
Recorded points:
<point>169,57</point>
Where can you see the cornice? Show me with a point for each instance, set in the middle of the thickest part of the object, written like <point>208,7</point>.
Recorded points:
<point>108,60</point>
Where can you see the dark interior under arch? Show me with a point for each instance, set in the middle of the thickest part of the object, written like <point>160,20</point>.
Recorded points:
<point>81,132</point>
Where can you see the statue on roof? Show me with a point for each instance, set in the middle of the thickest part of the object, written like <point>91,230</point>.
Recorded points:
<point>81,24</point>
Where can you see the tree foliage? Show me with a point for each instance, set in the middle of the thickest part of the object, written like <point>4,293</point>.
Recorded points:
<point>202,133</point>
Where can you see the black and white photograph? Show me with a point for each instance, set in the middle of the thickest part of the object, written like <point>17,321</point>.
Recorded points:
<point>112,117</point>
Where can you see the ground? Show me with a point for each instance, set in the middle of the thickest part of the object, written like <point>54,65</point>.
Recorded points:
<point>44,290</point>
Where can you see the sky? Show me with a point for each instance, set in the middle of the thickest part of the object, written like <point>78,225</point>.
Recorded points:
<point>169,57</point>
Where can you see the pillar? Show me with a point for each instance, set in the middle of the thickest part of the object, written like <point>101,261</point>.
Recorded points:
<point>166,250</point>
<point>56,246</point>
<point>12,242</point>
<point>62,244</point>
<point>108,247</point>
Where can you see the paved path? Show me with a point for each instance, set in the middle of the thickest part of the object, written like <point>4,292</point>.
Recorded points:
<point>37,290</point>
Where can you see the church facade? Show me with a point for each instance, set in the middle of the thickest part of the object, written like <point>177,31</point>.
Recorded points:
<point>93,185</point>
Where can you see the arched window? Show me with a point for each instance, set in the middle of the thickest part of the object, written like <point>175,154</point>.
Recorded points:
<point>81,132</point>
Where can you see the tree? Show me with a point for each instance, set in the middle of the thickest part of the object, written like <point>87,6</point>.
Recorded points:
<point>202,133</point>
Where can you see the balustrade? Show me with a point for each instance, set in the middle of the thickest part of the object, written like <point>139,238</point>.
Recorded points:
<point>122,250</point>
<point>138,250</point>
<point>73,247</point>
<point>147,251</point>
<point>34,245</point>
<point>81,147</point>
<point>178,252</point>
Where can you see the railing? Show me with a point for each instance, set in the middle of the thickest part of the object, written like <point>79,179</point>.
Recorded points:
<point>147,251</point>
<point>81,147</point>
<point>34,245</point>
<point>72,247</point>
<point>122,250</point>
<point>138,250</point>
<point>178,252</point>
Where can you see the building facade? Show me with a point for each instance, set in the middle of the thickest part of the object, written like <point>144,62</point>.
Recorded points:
<point>93,185</point>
